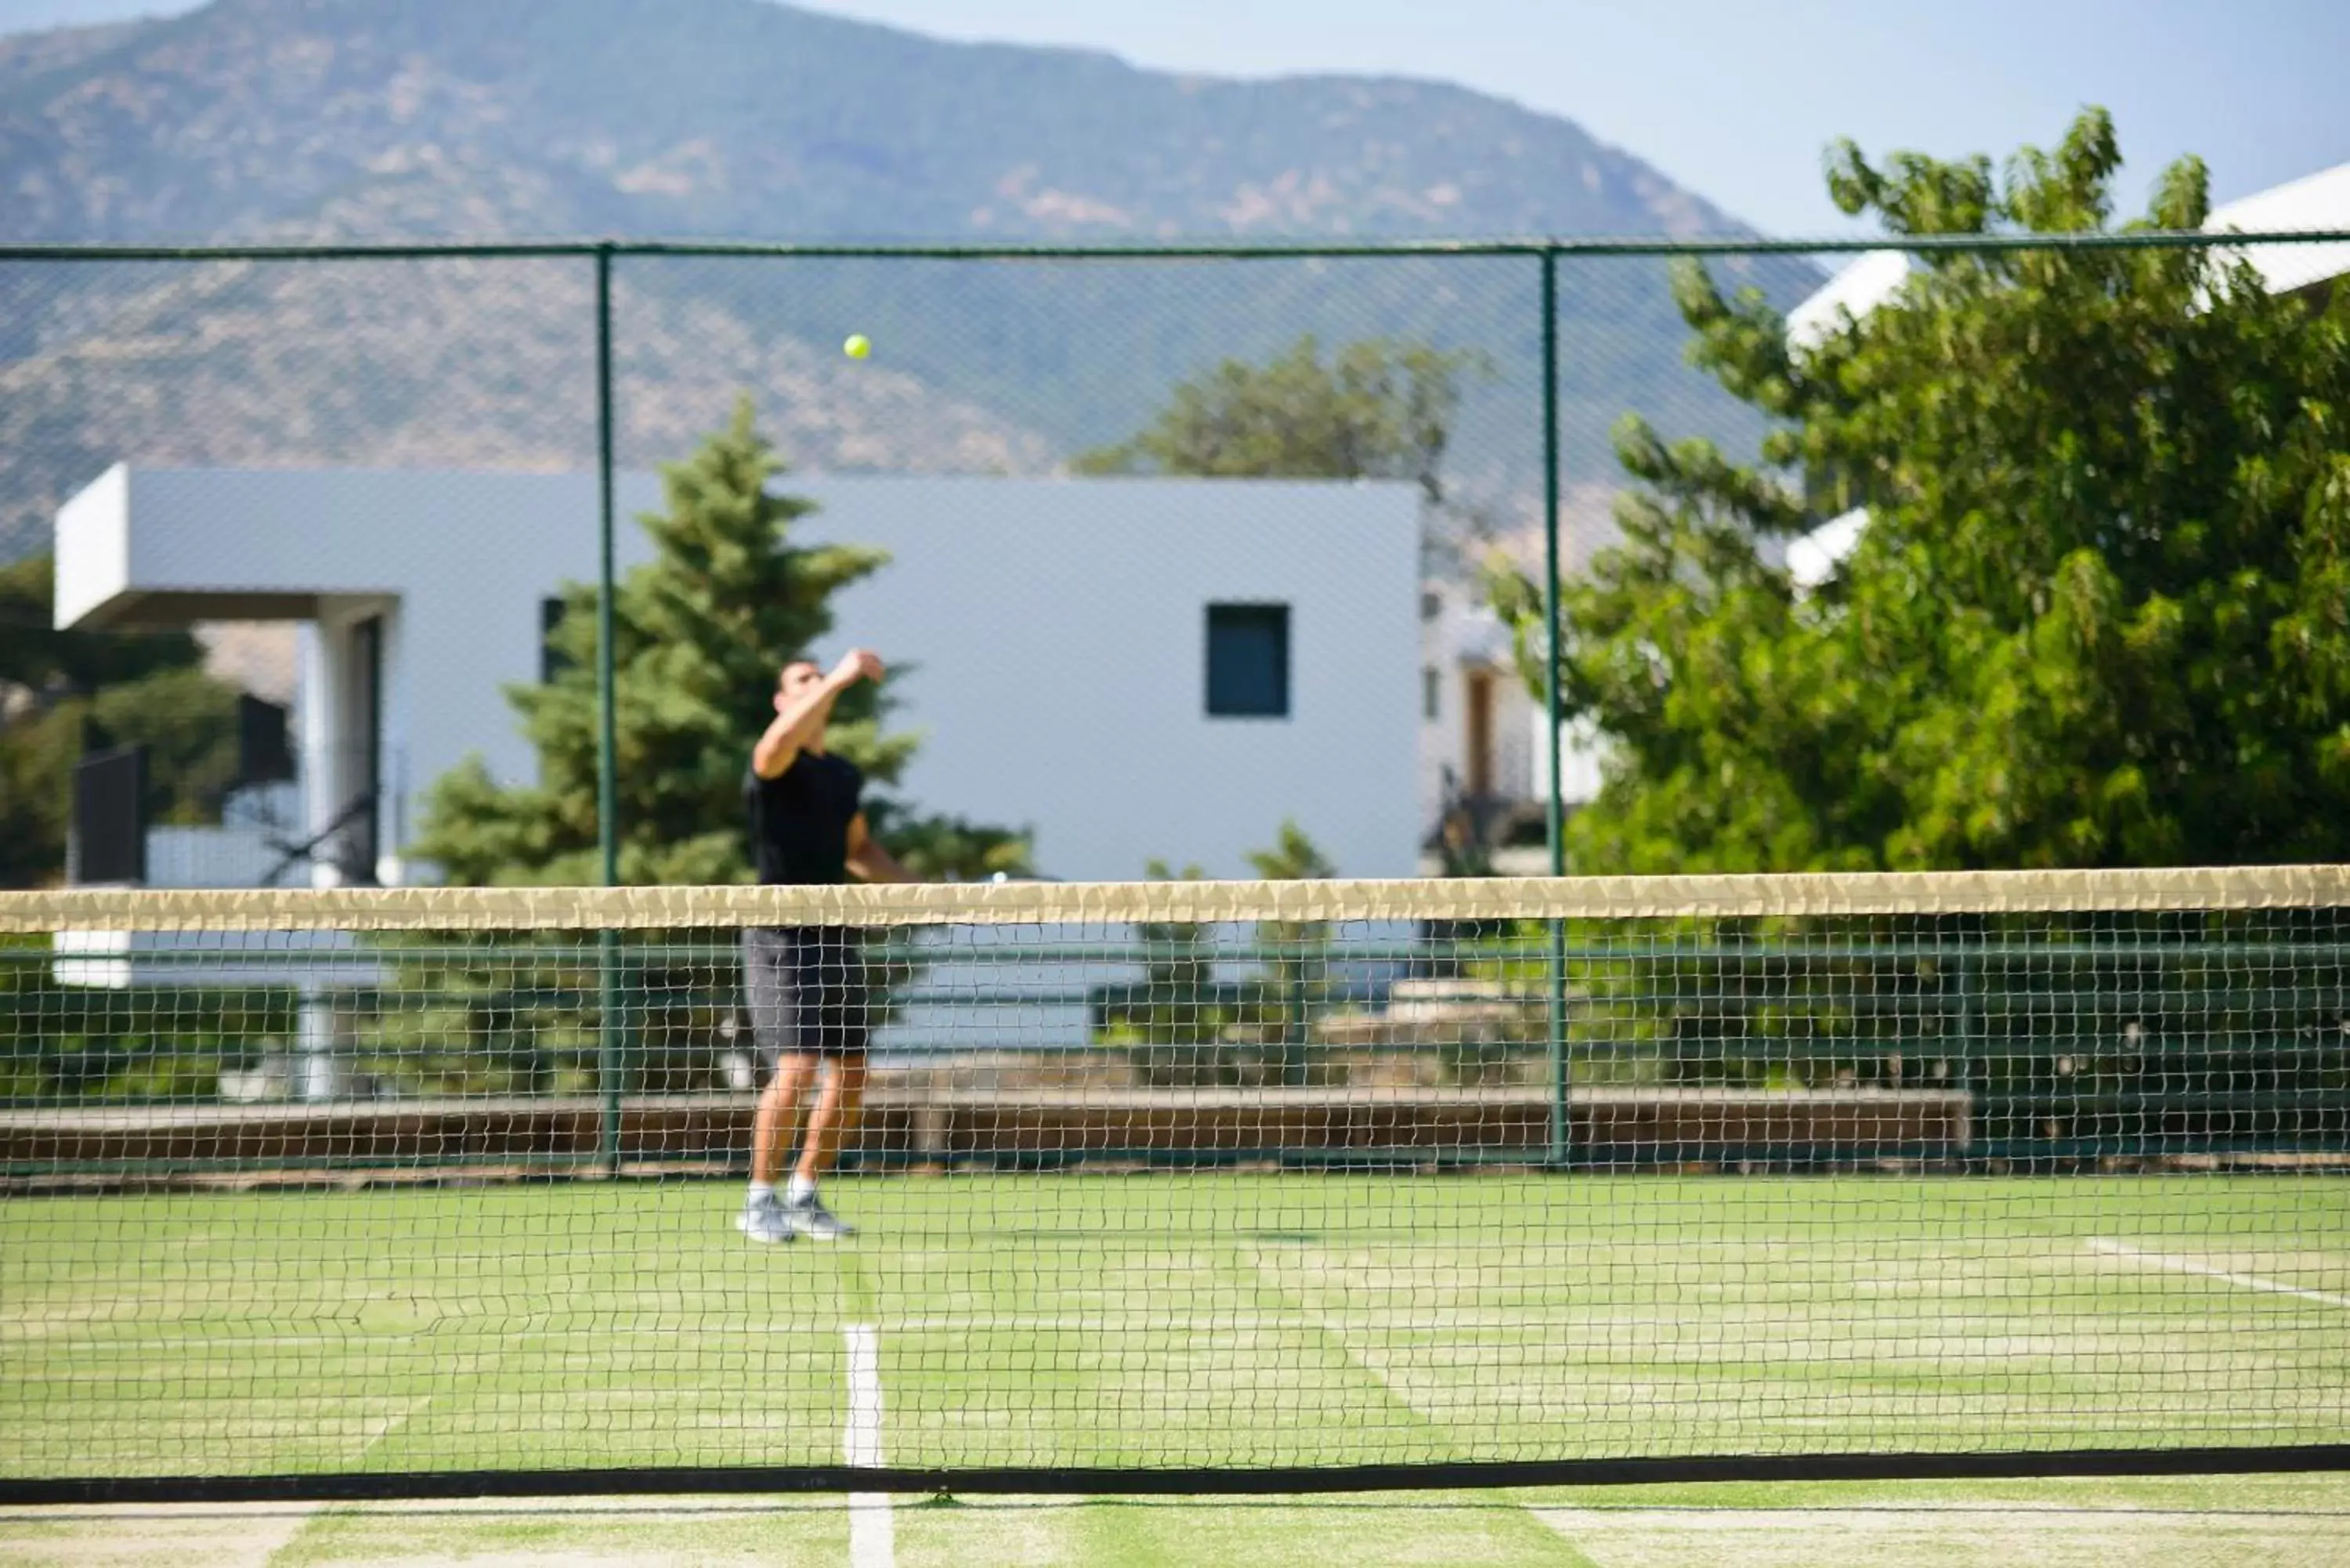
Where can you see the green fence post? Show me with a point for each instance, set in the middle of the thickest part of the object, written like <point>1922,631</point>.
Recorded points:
<point>1965,1062</point>
<point>1554,806</point>
<point>608,1065</point>
<point>1294,1030</point>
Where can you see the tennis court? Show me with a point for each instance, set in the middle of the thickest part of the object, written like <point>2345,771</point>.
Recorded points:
<point>1346,1196</point>
<point>1060,1321</point>
<point>2007,1212</point>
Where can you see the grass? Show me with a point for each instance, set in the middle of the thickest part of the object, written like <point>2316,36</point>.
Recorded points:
<point>2256,1521</point>
<point>1207,1319</point>
<point>1224,1318</point>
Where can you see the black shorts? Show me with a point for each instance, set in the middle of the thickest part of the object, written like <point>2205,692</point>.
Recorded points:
<point>806,990</point>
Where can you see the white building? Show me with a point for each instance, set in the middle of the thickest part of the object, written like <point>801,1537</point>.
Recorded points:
<point>1484,748</point>
<point>2317,201</point>
<point>1480,728</point>
<point>1133,667</point>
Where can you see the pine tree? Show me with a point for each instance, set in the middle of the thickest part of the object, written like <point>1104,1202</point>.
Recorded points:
<point>699,634</point>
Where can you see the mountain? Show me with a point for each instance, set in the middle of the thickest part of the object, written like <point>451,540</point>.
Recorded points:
<point>25,55</point>
<point>750,119</point>
<point>387,119</point>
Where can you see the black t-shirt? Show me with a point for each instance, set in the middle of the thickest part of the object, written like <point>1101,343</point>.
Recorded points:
<point>799,821</point>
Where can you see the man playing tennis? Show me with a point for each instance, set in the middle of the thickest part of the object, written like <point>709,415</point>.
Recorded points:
<point>805,985</point>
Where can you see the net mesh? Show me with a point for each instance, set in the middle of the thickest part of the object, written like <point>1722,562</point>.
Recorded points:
<point>1181,1176</point>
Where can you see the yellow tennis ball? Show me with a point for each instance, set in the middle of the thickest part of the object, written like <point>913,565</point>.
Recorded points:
<point>857,347</point>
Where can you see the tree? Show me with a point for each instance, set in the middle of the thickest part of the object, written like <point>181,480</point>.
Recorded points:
<point>1297,960</point>
<point>699,633</point>
<point>1181,1022</point>
<point>1173,1021</point>
<point>1291,857</point>
<point>141,687</point>
<point>1378,409</point>
<point>2099,616</point>
<point>36,655</point>
<point>37,758</point>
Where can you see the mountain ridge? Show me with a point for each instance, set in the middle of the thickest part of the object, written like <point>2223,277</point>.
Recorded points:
<point>939,133</point>
<point>327,121</point>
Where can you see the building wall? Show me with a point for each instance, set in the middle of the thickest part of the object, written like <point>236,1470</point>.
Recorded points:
<point>1459,640</point>
<point>1051,633</point>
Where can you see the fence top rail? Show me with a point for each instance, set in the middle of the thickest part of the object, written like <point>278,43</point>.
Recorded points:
<point>1913,894</point>
<point>1185,250</point>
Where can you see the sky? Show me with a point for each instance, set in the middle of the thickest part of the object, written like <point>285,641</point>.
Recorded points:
<point>1735,100</point>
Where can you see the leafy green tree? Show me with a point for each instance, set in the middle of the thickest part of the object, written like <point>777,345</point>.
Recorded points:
<point>699,634</point>
<point>1291,857</point>
<point>2099,616</point>
<point>36,655</point>
<point>1172,1022</point>
<point>1298,962</point>
<point>1377,408</point>
<point>37,757</point>
<point>144,687</point>
<point>187,720</point>
<point>1181,1022</point>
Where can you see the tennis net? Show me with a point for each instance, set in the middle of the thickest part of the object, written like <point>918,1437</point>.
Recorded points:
<point>1176,1185</point>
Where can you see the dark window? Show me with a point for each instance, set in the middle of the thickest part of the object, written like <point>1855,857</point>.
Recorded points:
<point>108,843</point>
<point>363,839</point>
<point>1248,662</point>
<point>551,662</point>
<point>1432,687</point>
<point>263,754</point>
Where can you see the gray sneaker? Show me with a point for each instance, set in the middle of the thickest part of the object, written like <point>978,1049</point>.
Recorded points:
<point>811,1218</point>
<point>762,1219</point>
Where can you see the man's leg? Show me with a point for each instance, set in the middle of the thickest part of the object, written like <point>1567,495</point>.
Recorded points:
<point>777,1126</point>
<point>839,1106</point>
<point>773,1129</point>
<point>832,1121</point>
<point>769,998</point>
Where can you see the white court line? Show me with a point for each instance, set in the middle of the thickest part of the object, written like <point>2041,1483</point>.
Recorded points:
<point>2179,1266</point>
<point>872,1540</point>
<point>391,1424</point>
<point>1332,1328</point>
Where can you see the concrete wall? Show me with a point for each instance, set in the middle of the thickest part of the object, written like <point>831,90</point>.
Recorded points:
<point>1056,629</point>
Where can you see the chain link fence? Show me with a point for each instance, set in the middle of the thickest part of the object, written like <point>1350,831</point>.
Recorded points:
<point>1188,559</point>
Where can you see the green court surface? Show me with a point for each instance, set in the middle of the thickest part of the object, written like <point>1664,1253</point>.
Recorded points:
<point>2250,1522</point>
<point>1199,1319</point>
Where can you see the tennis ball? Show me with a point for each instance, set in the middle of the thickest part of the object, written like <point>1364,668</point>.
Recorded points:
<point>857,347</point>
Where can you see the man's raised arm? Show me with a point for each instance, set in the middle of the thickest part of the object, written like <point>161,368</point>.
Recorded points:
<point>801,713</point>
